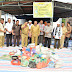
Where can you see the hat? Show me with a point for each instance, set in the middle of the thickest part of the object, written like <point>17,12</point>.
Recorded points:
<point>29,21</point>
<point>48,22</point>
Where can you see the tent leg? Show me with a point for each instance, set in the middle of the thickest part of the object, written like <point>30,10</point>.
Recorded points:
<point>51,21</point>
<point>53,12</point>
<point>5,17</point>
<point>0,14</point>
<point>12,18</point>
<point>52,18</point>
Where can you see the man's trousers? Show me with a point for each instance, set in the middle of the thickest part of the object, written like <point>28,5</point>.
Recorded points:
<point>2,41</point>
<point>40,40</point>
<point>66,42</point>
<point>16,38</point>
<point>24,40</point>
<point>35,39</point>
<point>58,46</point>
<point>47,40</point>
<point>62,41</point>
<point>9,39</point>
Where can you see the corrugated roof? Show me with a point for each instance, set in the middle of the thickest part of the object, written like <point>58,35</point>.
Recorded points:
<point>26,7</point>
<point>19,7</point>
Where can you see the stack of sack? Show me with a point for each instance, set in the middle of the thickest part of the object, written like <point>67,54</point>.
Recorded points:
<point>35,57</point>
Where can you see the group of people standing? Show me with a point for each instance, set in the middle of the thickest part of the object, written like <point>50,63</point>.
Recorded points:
<point>61,35</point>
<point>36,33</point>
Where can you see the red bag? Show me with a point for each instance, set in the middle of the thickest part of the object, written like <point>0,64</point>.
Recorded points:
<point>43,64</point>
<point>15,62</point>
<point>11,53</point>
<point>39,65</point>
<point>48,61</point>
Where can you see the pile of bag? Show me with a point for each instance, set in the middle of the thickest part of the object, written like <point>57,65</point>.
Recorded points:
<point>35,57</point>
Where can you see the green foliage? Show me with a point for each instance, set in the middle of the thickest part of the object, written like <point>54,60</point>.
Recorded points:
<point>63,20</point>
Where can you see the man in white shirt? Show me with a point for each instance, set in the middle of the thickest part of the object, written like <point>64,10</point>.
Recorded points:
<point>57,35</point>
<point>29,25</point>
<point>8,28</point>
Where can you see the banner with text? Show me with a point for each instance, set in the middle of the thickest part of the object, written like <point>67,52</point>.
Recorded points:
<point>42,10</point>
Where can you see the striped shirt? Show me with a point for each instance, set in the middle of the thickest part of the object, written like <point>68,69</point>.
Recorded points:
<point>41,28</point>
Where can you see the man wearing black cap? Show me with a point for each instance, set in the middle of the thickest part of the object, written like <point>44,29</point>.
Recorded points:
<point>48,30</point>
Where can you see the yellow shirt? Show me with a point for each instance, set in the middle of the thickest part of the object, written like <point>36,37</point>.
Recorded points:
<point>35,30</point>
<point>1,28</point>
<point>64,30</point>
<point>25,30</point>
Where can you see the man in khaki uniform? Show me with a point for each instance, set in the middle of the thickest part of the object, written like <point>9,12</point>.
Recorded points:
<point>25,31</point>
<point>64,30</point>
<point>67,35</point>
<point>35,32</point>
<point>2,33</point>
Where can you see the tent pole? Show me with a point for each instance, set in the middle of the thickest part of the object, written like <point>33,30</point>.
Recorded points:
<point>5,17</point>
<point>12,18</point>
<point>0,14</point>
<point>52,18</point>
<point>53,13</point>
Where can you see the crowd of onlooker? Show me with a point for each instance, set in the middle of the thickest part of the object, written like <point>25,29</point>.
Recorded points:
<point>36,33</point>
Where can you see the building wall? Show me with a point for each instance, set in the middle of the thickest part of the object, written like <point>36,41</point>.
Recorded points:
<point>6,16</point>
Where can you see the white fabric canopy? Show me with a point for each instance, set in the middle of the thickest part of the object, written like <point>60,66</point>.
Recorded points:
<point>64,1</point>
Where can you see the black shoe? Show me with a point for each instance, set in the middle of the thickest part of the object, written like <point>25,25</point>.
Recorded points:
<point>57,48</point>
<point>18,45</point>
<point>7,46</point>
<point>49,48</point>
<point>10,44</point>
